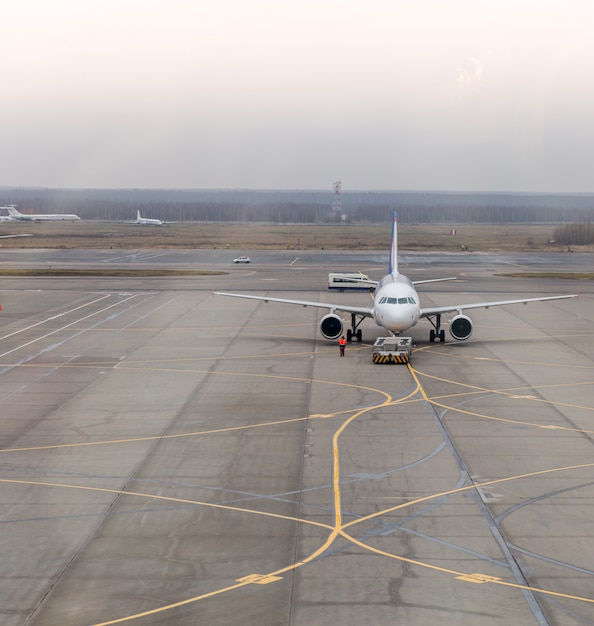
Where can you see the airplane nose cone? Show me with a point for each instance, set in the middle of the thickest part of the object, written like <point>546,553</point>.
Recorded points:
<point>397,318</point>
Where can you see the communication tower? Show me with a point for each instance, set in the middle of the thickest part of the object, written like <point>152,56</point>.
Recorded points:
<point>337,200</point>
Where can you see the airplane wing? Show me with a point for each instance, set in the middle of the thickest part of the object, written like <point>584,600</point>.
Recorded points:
<point>359,310</point>
<point>459,308</point>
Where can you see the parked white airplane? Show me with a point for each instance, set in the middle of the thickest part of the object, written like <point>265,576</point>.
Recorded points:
<point>396,306</point>
<point>147,221</point>
<point>39,217</point>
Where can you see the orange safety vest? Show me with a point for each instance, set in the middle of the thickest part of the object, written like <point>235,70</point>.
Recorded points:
<point>342,342</point>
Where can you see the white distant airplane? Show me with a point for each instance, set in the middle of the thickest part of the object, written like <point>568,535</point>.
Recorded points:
<point>14,215</point>
<point>147,221</point>
<point>396,306</point>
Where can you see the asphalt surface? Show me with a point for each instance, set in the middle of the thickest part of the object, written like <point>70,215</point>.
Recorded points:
<point>172,457</point>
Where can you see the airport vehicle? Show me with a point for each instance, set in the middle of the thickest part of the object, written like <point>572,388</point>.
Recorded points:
<point>147,221</point>
<point>392,350</point>
<point>350,282</point>
<point>396,306</point>
<point>242,259</point>
<point>15,215</point>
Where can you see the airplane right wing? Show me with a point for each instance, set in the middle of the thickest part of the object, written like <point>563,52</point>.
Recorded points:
<point>358,310</point>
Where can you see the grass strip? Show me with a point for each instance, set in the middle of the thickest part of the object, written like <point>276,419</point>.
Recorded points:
<point>137,273</point>
<point>566,275</point>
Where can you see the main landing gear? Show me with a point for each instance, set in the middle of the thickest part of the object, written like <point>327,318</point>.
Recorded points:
<point>354,331</point>
<point>436,332</point>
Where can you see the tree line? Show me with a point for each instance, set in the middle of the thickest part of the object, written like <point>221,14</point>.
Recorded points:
<point>304,206</point>
<point>575,234</point>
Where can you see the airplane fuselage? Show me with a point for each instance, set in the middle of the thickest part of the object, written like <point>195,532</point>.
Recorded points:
<point>40,217</point>
<point>396,304</point>
<point>52,217</point>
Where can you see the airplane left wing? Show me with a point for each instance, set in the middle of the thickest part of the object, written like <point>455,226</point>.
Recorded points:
<point>459,308</point>
<point>358,310</point>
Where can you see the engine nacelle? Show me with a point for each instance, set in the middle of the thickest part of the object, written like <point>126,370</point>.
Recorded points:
<point>460,327</point>
<point>331,326</point>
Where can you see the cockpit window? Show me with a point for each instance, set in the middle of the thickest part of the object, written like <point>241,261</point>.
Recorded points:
<point>407,300</point>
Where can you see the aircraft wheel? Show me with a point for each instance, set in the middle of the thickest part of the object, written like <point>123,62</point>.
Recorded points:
<point>349,335</point>
<point>359,335</point>
<point>432,335</point>
<point>442,336</point>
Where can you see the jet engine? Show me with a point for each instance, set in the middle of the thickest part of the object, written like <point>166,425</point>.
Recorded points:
<point>460,327</point>
<point>331,326</point>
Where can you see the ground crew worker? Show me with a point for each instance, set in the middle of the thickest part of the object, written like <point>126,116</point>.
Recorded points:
<point>341,344</point>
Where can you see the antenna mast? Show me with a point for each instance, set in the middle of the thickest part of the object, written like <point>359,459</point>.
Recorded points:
<point>337,201</point>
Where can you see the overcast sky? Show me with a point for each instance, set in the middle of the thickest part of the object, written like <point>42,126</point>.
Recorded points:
<point>272,94</point>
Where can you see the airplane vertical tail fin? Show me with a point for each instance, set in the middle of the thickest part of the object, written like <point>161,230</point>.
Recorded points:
<point>138,218</point>
<point>393,267</point>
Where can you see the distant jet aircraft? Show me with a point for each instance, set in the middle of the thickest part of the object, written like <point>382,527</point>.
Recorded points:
<point>146,221</point>
<point>15,215</point>
<point>396,306</point>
